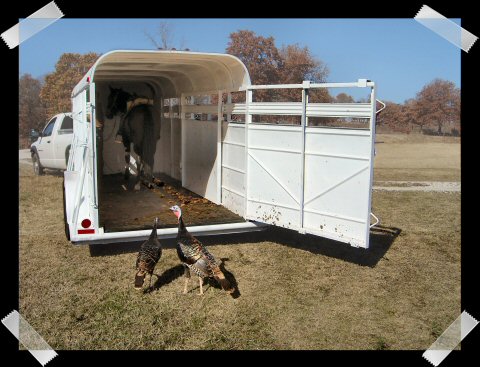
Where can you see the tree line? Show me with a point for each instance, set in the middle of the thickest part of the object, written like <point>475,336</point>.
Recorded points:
<point>40,99</point>
<point>435,109</point>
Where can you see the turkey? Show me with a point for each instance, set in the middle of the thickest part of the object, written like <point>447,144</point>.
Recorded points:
<point>196,258</point>
<point>147,258</point>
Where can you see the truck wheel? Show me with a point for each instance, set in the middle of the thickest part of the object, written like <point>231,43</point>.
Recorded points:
<point>67,155</point>
<point>67,229</point>
<point>37,166</point>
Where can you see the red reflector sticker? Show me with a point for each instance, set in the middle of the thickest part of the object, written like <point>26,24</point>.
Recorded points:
<point>86,223</point>
<point>85,231</point>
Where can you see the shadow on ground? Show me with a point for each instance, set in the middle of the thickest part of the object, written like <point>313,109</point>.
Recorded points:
<point>381,238</point>
<point>167,277</point>
<point>229,276</point>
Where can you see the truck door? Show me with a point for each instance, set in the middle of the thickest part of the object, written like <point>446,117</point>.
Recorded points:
<point>45,146</point>
<point>63,139</point>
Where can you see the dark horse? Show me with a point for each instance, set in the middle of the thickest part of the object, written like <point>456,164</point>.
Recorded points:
<point>137,126</point>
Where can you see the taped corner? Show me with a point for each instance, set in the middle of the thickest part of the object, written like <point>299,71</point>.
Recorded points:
<point>29,338</point>
<point>445,28</point>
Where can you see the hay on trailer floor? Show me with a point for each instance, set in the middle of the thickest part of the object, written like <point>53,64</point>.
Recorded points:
<point>123,209</point>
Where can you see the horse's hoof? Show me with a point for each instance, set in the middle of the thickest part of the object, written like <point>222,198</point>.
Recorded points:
<point>137,187</point>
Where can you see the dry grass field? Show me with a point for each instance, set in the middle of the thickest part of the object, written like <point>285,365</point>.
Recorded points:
<point>417,157</point>
<point>296,291</point>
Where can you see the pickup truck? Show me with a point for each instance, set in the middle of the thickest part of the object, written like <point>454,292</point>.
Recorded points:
<point>52,148</point>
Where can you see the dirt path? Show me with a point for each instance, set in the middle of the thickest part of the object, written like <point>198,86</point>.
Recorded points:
<point>430,186</point>
<point>24,156</point>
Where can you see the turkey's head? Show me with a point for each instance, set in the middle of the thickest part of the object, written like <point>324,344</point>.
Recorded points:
<point>177,211</point>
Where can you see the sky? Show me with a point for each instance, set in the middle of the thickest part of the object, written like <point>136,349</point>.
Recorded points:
<point>399,55</point>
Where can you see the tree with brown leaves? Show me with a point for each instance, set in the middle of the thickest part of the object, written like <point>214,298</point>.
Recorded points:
<point>437,105</point>
<point>344,98</point>
<point>31,110</point>
<point>267,64</point>
<point>395,117</point>
<point>69,69</point>
<point>260,56</point>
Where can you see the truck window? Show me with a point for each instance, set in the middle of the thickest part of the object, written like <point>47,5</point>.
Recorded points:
<point>67,123</point>
<point>49,128</point>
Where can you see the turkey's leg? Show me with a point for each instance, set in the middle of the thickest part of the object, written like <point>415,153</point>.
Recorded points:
<point>200,281</point>
<point>187,278</point>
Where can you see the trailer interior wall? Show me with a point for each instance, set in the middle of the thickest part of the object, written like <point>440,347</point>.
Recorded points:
<point>171,74</point>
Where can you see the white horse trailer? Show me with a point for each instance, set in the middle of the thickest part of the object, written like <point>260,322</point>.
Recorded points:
<point>311,179</point>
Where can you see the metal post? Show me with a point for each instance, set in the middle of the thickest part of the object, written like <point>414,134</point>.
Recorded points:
<point>209,102</point>
<point>229,102</point>
<point>172,140</point>
<point>93,145</point>
<point>183,138</point>
<point>306,86</point>
<point>372,155</point>
<point>248,120</point>
<point>219,146</point>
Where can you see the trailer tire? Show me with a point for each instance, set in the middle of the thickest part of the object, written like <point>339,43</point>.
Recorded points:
<point>67,228</point>
<point>37,166</point>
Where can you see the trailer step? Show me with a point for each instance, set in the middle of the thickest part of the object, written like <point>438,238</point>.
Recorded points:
<point>206,230</point>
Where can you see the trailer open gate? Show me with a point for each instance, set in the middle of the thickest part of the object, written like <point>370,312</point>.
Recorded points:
<point>311,179</point>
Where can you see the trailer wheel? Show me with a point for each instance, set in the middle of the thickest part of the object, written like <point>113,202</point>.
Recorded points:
<point>37,166</point>
<point>67,229</point>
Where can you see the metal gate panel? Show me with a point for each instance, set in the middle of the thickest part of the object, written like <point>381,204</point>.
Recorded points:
<point>233,167</point>
<point>314,179</point>
<point>199,169</point>
<point>274,174</point>
<point>337,180</point>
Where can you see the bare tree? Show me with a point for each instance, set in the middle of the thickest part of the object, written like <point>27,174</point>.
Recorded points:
<point>163,37</point>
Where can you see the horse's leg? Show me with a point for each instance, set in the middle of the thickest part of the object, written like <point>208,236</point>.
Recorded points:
<point>139,164</point>
<point>150,138</point>
<point>126,174</point>
<point>120,137</point>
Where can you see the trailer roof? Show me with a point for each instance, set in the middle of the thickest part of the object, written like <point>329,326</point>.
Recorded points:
<point>174,72</point>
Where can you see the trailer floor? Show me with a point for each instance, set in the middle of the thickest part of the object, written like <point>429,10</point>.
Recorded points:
<point>122,209</point>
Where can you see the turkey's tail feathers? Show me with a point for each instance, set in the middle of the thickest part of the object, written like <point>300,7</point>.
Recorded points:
<point>139,279</point>
<point>226,286</point>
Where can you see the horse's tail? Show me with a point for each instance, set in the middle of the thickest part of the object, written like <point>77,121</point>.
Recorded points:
<point>149,138</point>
